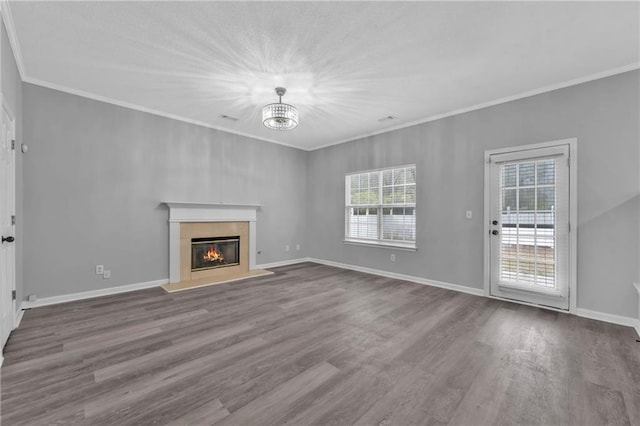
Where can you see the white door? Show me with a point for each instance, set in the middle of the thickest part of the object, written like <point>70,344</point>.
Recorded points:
<point>7,227</point>
<point>529,226</point>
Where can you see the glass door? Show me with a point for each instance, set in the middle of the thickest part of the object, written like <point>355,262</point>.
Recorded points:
<point>529,226</point>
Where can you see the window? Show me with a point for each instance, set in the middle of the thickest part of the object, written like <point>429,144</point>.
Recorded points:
<point>381,207</point>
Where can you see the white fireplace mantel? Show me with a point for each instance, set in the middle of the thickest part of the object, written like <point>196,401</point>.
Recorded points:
<point>181,212</point>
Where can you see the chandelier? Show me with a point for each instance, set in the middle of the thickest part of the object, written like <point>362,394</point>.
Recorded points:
<point>280,116</point>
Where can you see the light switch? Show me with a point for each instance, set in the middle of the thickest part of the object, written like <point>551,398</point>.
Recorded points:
<point>469,214</point>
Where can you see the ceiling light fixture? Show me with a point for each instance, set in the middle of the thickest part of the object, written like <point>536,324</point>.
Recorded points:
<point>280,116</point>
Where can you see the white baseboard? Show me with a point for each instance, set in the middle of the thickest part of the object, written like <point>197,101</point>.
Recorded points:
<point>93,293</point>
<point>283,263</point>
<point>600,316</point>
<point>614,319</point>
<point>586,313</point>
<point>411,278</point>
<point>19,315</point>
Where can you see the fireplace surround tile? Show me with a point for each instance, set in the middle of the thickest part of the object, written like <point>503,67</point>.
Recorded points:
<point>197,220</point>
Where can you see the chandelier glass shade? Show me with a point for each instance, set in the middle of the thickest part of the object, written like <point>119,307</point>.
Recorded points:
<point>280,116</point>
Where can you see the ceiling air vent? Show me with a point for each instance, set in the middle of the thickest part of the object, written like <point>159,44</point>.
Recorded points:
<point>387,118</point>
<point>228,117</point>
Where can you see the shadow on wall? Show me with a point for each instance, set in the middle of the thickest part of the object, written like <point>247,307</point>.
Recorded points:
<point>605,270</point>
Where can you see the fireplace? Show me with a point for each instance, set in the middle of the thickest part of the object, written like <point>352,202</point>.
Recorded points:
<point>190,221</point>
<point>214,252</point>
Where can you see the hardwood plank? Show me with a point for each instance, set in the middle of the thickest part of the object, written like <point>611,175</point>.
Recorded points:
<point>206,414</point>
<point>143,384</point>
<point>158,356</point>
<point>279,399</point>
<point>312,344</point>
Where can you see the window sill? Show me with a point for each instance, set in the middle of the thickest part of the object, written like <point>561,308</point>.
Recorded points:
<point>381,244</point>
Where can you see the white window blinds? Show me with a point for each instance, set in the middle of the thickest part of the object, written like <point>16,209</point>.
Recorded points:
<point>381,206</point>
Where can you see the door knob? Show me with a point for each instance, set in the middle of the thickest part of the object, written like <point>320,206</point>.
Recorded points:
<point>8,239</point>
<point>495,232</point>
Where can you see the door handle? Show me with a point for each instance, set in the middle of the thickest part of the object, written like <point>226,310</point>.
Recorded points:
<point>8,239</point>
<point>495,232</point>
<point>495,222</point>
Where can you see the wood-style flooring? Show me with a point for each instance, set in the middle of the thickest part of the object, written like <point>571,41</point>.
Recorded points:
<point>313,344</point>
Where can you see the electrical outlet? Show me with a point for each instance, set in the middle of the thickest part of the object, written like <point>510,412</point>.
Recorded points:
<point>297,246</point>
<point>393,257</point>
<point>286,248</point>
<point>469,214</point>
<point>106,275</point>
<point>99,269</point>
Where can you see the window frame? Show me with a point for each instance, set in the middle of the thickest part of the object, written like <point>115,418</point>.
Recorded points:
<point>380,206</point>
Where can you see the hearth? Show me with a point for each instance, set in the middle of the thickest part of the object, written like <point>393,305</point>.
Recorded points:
<point>214,252</point>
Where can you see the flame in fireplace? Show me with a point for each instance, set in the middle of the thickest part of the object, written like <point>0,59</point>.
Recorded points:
<point>213,255</point>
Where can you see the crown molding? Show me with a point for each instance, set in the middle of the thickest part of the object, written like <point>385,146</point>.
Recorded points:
<point>7,18</point>
<point>100,98</point>
<point>5,11</point>
<point>529,93</point>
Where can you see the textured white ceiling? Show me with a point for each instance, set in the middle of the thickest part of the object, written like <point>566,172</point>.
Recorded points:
<point>345,64</point>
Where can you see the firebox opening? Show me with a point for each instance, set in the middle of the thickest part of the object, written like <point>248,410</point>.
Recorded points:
<point>214,252</point>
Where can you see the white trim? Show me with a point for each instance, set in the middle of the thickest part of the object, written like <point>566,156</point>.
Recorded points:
<point>486,218</point>
<point>188,204</point>
<point>54,300</point>
<point>381,169</point>
<point>411,278</point>
<point>573,211</point>
<point>611,318</point>
<point>141,108</point>
<point>600,316</point>
<point>529,93</point>
<point>18,316</point>
<point>283,263</point>
<point>17,53</point>
<point>11,199</point>
<point>96,97</point>
<point>211,212</point>
<point>182,212</point>
<point>5,10</point>
<point>379,244</point>
<point>573,224</point>
<point>533,305</point>
<point>532,146</point>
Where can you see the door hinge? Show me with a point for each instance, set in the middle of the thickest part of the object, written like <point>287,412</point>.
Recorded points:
<point>13,219</point>
<point>13,144</point>
<point>569,226</point>
<point>568,161</point>
<point>13,295</point>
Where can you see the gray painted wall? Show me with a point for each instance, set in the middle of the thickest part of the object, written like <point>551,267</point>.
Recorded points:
<point>602,114</point>
<point>11,88</point>
<point>96,173</point>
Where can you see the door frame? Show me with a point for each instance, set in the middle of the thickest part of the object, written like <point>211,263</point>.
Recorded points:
<point>572,143</point>
<point>12,135</point>
<point>12,117</point>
